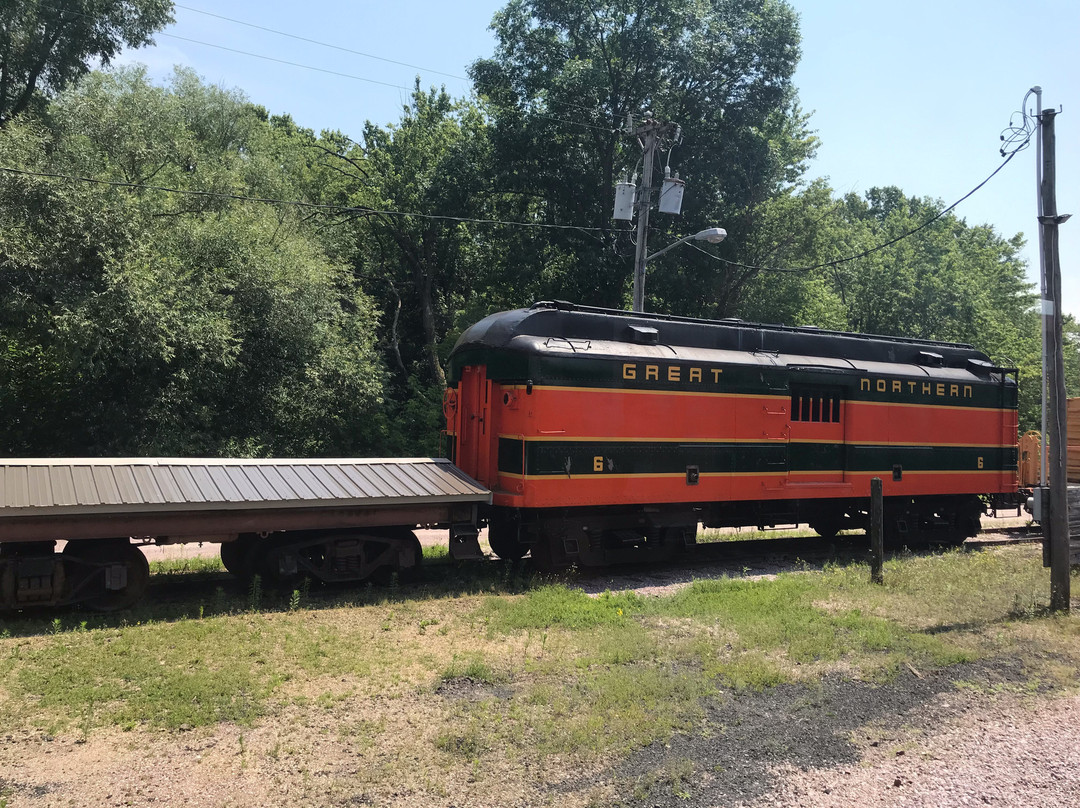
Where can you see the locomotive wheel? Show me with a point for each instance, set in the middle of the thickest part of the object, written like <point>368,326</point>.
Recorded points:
<point>677,539</point>
<point>504,542</point>
<point>828,529</point>
<point>109,552</point>
<point>543,555</point>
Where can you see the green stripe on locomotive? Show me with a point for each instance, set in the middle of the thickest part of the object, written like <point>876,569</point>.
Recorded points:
<point>578,458</point>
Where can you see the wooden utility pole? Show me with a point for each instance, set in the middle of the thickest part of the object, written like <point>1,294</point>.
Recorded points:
<point>1056,528</point>
<point>649,133</point>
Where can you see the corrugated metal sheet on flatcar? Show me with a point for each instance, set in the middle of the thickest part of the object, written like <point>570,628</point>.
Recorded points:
<point>73,486</point>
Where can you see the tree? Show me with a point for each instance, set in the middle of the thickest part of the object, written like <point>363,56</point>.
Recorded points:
<point>565,76</point>
<point>45,46</point>
<point>948,281</point>
<point>138,322</point>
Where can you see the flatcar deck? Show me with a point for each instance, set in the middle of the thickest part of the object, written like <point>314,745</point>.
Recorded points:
<point>66,498</point>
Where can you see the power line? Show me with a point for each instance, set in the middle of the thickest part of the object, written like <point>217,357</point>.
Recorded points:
<point>575,107</point>
<point>327,71</point>
<point>876,248</point>
<point>287,62</point>
<point>253,55</point>
<point>359,78</point>
<point>323,44</point>
<point>295,202</point>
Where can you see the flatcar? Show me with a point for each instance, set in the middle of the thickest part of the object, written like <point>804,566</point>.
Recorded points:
<point>608,435</point>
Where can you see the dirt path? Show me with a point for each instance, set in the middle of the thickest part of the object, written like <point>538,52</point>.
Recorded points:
<point>917,743</point>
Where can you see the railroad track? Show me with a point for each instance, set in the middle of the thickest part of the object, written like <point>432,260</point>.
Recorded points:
<point>782,552</point>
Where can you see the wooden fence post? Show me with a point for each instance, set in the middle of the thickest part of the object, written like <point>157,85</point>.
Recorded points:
<point>877,531</point>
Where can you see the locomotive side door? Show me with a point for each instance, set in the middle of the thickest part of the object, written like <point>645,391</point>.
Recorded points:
<point>474,441</point>
<point>772,462</point>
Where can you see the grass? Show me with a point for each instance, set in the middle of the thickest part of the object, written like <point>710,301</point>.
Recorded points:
<point>715,535</point>
<point>540,670</point>
<point>186,566</point>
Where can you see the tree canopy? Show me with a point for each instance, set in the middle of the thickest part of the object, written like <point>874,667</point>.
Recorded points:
<point>198,321</point>
<point>137,322</point>
<point>45,46</point>
<point>563,80</point>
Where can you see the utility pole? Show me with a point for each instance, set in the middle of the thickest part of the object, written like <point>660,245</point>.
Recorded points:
<point>1056,529</point>
<point>649,134</point>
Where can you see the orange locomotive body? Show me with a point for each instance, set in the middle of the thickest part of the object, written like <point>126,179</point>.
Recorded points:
<point>608,435</point>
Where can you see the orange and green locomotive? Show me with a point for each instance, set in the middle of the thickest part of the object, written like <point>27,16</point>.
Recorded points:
<point>608,435</point>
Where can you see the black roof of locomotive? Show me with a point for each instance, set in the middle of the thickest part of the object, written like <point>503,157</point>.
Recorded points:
<point>559,319</point>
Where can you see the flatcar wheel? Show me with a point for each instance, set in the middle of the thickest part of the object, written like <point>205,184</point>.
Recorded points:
<point>412,557</point>
<point>234,555</point>
<point>105,554</point>
<point>262,557</point>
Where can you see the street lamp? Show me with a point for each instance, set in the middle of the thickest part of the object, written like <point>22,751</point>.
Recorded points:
<point>713,235</point>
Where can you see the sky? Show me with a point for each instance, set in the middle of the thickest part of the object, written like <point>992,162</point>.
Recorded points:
<point>912,94</point>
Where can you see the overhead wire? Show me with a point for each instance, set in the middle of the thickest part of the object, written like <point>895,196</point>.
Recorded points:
<point>354,77</point>
<point>327,71</point>
<point>340,74</point>
<point>1016,138</point>
<point>322,44</point>
<point>575,107</point>
<point>286,62</point>
<point>361,209</point>
<point>876,248</point>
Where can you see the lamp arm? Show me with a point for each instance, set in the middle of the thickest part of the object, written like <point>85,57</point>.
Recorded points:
<point>673,244</point>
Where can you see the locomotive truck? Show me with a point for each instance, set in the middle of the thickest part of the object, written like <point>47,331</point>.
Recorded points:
<point>578,435</point>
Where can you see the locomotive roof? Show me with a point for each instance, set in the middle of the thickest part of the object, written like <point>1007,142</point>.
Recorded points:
<point>569,321</point>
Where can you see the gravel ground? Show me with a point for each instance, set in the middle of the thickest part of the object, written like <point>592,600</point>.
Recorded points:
<point>1012,754</point>
<point>916,741</point>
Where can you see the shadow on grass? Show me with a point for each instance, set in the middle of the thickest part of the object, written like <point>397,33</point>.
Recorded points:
<point>178,593</point>
<point>176,596</point>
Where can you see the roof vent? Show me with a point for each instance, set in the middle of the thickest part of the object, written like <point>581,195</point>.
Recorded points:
<point>644,335</point>
<point>931,359</point>
<point>980,366</point>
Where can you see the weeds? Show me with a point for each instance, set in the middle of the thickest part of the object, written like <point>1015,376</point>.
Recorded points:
<point>471,667</point>
<point>255,593</point>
